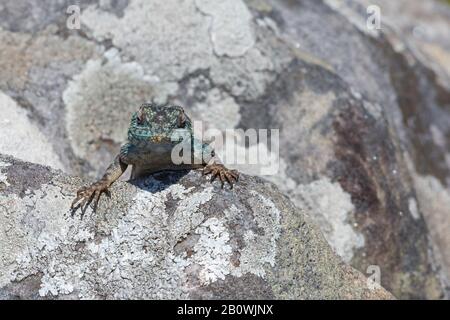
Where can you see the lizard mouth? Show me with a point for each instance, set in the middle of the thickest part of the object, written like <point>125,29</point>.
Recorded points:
<point>142,135</point>
<point>145,135</point>
<point>157,139</point>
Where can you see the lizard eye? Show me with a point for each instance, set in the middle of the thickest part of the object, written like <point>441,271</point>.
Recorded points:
<point>181,120</point>
<point>141,116</point>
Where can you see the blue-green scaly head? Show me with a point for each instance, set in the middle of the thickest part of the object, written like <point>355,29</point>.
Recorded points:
<point>159,124</point>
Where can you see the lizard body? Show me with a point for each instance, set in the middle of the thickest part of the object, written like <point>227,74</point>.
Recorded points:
<point>153,134</point>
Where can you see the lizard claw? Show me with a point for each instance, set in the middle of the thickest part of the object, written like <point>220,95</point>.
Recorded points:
<point>85,195</point>
<point>224,174</point>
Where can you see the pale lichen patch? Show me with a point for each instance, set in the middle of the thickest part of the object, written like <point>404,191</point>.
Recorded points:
<point>226,44</point>
<point>168,42</point>
<point>332,209</point>
<point>3,176</point>
<point>212,251</point>
<point>219,110</point>
<point>137,249</point>
<point>11,237</point>
<point>260,249</point>
<point>187,216</point>
<point>231,29</point>
<point>34,226</point>
<point>54,286</point>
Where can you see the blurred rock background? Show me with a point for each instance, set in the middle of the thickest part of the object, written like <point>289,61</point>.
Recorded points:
<point>364,115</point>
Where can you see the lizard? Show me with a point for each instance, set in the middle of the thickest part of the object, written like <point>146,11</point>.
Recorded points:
<point>154,131</point>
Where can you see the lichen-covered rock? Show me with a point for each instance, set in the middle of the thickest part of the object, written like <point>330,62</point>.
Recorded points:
<point>172,235</point>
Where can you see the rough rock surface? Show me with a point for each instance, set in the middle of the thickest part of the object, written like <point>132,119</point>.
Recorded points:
<point>363,115</point>
<point>15,126</point>
<point>172,235</point>
<point>401,74</point>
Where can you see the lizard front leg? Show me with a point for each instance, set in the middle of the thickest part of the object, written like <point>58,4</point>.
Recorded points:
<point>213,165</point>
<point>85,195</point>
<point>217,169</point>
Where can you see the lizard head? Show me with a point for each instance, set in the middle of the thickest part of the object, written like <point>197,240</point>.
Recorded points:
<point>157,124</point>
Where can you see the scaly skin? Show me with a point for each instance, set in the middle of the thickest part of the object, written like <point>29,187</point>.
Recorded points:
<point>153,133</point>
